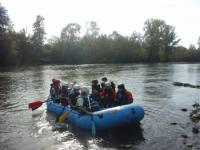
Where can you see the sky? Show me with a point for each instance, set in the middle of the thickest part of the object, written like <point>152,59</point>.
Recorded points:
<point>124,16</point>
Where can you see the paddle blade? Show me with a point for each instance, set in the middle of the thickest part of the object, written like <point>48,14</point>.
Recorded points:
<point>34,105</point>
<point>63,117</point>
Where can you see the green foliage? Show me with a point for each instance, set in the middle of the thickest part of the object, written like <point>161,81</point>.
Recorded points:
<point>4,20</point>
<point>70,33</point>
<point>39,32</point>
<point>37,39</point>
<point>8,51</point>
<point>198,43</point>
<point>160,39</point>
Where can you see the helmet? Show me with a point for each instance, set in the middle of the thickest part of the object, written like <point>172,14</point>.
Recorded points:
<point>65,84</point>
<point>85,90</point>
<point>107,83</point>
<point>76,87</point>
<point>121,86</point>
<point>104,79</point>
<point>55,82</point>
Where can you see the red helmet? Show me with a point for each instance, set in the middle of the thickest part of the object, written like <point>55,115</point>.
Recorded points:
<point>55,82</point>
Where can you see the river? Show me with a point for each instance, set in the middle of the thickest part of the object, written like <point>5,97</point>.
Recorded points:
<point>163,126</point>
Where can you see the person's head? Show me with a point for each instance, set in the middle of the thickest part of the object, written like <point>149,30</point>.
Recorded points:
<point>121,87</point>
<point>104,79</point>
<point>56,82</point>
<point>76,88</point>
<point>65,86</point>
<point>107,87</point>
<point>84,91</point>
<point>95,82</point>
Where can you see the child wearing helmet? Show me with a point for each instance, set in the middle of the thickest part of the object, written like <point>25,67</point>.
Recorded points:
<point>75,92</point>
<point>82,100</point>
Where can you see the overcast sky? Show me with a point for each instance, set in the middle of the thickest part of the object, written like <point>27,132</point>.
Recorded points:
<point>124,16</point>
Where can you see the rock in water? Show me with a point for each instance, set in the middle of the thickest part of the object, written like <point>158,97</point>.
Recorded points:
<point>184,109</point>
<point>195,130</point>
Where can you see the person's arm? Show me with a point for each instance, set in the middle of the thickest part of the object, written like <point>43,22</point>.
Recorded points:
<point>70,103</point>
<point>129,97</point>
<point>85,111</point>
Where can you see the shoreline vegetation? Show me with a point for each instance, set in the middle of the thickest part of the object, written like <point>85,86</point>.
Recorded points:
<point>159,43</point>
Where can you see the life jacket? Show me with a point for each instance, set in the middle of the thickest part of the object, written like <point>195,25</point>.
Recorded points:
<point>91,104</point>
<point>73,97</point>
<point>55,92</point>
<point>129,96</point>
<point>109,94</point>
<point>96,87</point>
<point>124,97</point>
<point>65,93</point>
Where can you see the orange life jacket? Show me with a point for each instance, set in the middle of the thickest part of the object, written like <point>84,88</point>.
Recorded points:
<point>128,96</point>
<point>112,94</point>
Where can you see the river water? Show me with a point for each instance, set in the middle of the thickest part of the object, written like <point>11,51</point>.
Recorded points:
<point>164,126</point>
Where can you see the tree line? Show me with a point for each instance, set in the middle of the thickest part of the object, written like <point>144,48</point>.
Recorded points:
<point>159,43</point>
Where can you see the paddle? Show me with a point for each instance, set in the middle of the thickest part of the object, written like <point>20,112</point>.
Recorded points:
<point>93,127</point>
<point>36,104</point>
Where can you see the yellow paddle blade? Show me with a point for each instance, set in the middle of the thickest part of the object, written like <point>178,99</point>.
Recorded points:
<point>63,117</point>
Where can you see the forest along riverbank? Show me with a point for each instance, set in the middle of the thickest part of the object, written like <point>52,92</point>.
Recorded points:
<point>165,125</point>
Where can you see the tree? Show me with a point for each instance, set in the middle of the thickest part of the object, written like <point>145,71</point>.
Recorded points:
<point>38,32</point>
<point>115,35</point>
<point>198,43</point>
<point>4,20</point>
<point>136,38</point>
<point>192,47</point>
<point>25,48</point>
<point>71,32</point>
<point>7,40</point>
<point>93,30</point>
<point>160,39</point>
<point>38,39</point>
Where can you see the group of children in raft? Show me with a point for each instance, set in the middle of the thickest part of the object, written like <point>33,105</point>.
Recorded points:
<point>102,95</point>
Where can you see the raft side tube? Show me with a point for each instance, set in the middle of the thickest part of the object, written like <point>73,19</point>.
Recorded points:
<point>104,119</point>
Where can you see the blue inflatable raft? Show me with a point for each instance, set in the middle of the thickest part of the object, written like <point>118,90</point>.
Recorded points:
<point>104,119</point>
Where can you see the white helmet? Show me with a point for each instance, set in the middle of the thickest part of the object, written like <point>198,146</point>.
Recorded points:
<point>85,90</point>
<point>107,83</point>
<point>65,84</point>
<point>76,87</point>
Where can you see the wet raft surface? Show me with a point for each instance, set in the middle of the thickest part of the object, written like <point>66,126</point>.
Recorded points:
<point>165,125</point>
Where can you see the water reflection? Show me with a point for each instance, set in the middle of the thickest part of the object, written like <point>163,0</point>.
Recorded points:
<point>157,81</point>
<point>122,137</point>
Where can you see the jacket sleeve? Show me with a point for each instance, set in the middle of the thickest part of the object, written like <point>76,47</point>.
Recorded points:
<point>129,97</point>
